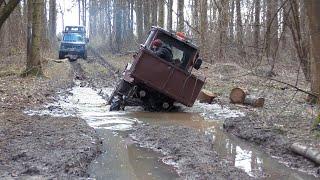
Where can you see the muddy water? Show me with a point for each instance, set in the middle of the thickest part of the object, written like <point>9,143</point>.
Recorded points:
<point>121,159</point>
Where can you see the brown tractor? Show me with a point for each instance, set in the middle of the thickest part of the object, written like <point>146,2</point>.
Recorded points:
<point>155,83</point>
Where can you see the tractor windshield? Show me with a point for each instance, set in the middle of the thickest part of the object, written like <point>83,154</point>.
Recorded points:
<point>182,52</point>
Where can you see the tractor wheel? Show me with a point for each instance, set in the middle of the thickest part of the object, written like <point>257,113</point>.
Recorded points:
<point>115,104</point>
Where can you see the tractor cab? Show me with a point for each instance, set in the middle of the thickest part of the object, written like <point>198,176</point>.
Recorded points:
<point>185,54</point>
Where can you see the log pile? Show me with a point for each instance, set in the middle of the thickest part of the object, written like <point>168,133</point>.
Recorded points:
<point>240,96</point>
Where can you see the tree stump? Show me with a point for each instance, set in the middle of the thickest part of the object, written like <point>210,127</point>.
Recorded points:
<point>206,96</point>
<point>237,96</point>
<point>253,101</point>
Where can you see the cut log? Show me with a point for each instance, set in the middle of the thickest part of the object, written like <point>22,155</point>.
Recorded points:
<point>237,96</point>
<point>253,101</point>
<point>307,152</point>
<point>206,96</point>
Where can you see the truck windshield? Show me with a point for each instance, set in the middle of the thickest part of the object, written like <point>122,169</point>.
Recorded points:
<point>73,38</point>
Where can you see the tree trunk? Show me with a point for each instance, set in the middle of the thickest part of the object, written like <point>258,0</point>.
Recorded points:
<point>84,12</point>
<point>29,29</point>
<point>195,14</point>
<point>296,22</point>
<point>16,28</point>
<point>139,20</point>
<point>52,20</point>
<point>239,30</point>
<point>237,96</point>
<point>313,7</point>
<point>161,13</point>
<point>154,15</point>
<point>180,27</point>
<point>146,16</point>
<point>169,16</point>
<point>206,96</point>
<point>305,151</point>
<point>34,63</point>
<point>254,101</point>
<point>231,22</point>
<point>272,33</point>
<point>117,24</point>
<point>7,10</point>
<point>203,22</point>
<point>223,27</point>
<point>256,30</point>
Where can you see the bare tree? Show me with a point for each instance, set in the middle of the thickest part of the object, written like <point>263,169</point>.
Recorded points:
<point>313,7</point>
<point>34,60</point>
<point>154,13</point>
<point>7,10</point>
<point>256,30</point>
<point>52,19</point>
<point>223,27</point>
<point>272,33</point>
<point>146,16</point>
<point>203,21</point>
<point>180,15</point>
<point>239,29</point>
<point>161,13</point>
<point>231,21</point>
<point>139,20</point>
<point>169,14</point>
<point>195,14</point>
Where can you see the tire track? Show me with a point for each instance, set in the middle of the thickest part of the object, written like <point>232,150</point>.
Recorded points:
<point>102,61</point>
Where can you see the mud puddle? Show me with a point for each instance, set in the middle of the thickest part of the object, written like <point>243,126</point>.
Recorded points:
<point>122,159</point>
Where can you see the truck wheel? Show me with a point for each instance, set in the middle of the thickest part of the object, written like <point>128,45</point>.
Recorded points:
<point>115,104</point>
<point>61,55</point>
<point>85,55</point>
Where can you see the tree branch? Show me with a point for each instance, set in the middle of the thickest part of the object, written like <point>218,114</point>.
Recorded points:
<point>7,10</point>
<point>293,86</point>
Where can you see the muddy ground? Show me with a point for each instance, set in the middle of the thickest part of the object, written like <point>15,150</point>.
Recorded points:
<point>190,150</point>
<point>52,151</point>
<point>40,146</point>
<point>286,117</point>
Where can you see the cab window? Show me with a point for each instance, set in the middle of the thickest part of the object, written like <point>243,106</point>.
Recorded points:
<point>73,38</point>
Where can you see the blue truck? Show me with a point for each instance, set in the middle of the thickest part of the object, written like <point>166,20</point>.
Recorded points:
<point>73,43</point>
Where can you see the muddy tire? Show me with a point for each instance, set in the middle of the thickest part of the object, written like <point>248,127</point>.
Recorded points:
<point>115,104</point>
<point>122,88</point>
<point>61,55</point>
<point>85,56</point>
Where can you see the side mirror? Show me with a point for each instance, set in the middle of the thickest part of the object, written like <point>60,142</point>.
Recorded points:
<point>197,64</point>
<point>87,40</point>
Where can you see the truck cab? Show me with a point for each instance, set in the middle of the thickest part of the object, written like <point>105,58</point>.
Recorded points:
<point>74,42</point>
<point>157,83</point>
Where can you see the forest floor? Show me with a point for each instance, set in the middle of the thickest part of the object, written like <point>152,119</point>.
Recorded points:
<point>63,147</point>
